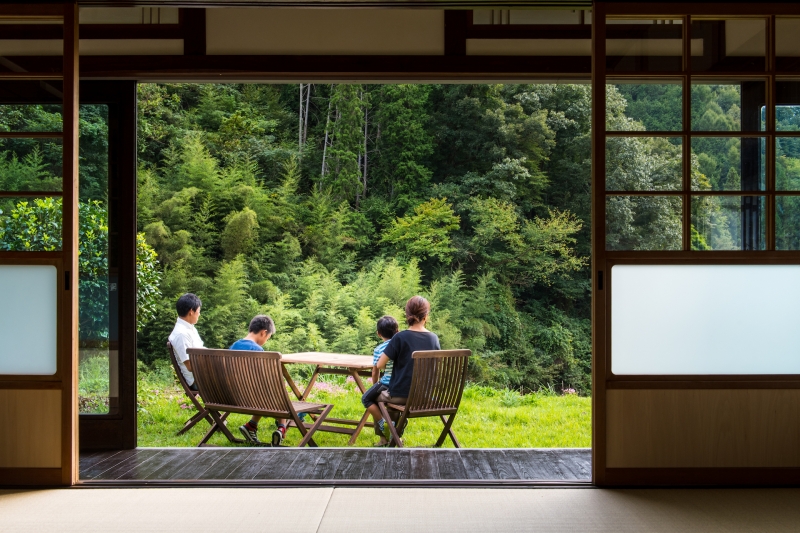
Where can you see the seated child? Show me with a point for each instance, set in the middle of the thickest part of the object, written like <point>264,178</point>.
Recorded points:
<point>261,329</point>
<point>387,327</point>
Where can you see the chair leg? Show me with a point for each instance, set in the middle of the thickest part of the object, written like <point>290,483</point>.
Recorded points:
<point>448,422</point>
<point>189,424</point>
<point>359,428</point>
<point>308,436</point>
<point>223,427</point>
<point>395,440</point>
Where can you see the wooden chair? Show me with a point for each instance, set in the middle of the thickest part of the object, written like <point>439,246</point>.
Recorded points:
<point>437,384</point>
<point>202,412</point>
<point>250,383</point>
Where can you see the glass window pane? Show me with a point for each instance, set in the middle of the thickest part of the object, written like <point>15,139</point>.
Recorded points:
<point>644,106</point>
<point>643,223</point>
<point>735,45</point>
<point>787,109</point>
<point>730,106</point>
<point>30,224</point>
<point>677,319</point>
<point>30,164</point>
<point>643,163</point>
<point>98,339</point>
<point>28,319</point>
<point>787,222</point>
<point>31,118</point>
<point>787,163</point>
<point>644,45</point>
<point>728,223</point>
<point>787,45</point>
<point>728,163</point>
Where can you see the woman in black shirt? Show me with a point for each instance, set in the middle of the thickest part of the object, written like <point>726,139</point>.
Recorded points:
<point>400,348</point>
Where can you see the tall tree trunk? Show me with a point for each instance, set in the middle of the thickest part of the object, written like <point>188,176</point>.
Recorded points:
<point>305,124</point>
<point>325,145</point>
<point>366,129</point>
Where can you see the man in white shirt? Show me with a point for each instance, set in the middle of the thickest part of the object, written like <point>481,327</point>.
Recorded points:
<point>184,335</point>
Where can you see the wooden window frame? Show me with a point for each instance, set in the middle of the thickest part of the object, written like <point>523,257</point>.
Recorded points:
<point>603,260</point>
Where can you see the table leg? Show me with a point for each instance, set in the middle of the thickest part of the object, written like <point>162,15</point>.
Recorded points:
<point>311,383</point>
<point>365,416</point>
<point>291,383</point>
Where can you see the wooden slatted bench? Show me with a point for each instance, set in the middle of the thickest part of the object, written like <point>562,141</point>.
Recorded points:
<point>250,383</point>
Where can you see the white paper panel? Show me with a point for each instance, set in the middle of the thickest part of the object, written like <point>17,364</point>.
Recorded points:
<point>28,319</point>
<point>705,319</point>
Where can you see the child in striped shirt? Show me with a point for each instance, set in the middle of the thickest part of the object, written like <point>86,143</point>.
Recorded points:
<point>387,327</point>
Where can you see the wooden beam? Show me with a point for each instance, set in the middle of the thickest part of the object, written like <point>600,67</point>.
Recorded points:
<point>68,361</point>
<point>455,32</point>
<point>194,32</point>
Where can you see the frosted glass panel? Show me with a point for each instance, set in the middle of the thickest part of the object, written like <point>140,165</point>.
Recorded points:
<point>28,319</point>
<point>705,319</point>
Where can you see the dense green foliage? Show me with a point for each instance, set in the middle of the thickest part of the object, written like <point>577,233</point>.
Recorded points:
<point>476,196</point>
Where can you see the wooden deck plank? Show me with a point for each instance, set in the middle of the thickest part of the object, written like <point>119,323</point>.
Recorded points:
<point>502,464</point>
<point>90,459</point>
<point>303,466</point>
<point>196,468</point>
<point>423,465</point>
<point>275,463</point>
<point>145,468</point>
<point>331,464</point>
<point>351,465</point>
<point>132,459</point>
<point>227,464</point>
<point>398,464</point>
<point>166,471</point>
<point>450,465</point>
<point>110,462</point>
<point>247,467</point>
<point>327,464</point>
<point>374,464</point>
<point>263,462</point>
<point>579,462</point>
<point>476,464</point>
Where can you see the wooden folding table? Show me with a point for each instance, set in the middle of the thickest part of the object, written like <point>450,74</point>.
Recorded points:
<point>357,366</point>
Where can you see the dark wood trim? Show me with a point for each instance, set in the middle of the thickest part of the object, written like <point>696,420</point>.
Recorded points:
<point>671,10</point>
<point>701,382</point>
<point>25,383</point>
<point>117,430</point>
<point>455,32</point>
<point>29,194</point>
<point>94,31</point>
<point>599,289</point>
<point>542,31</point>
<point>27,477</point>
<point>693,477</point>
<point>194,32</point>
<point>34,10</point>
<point>31,134</point>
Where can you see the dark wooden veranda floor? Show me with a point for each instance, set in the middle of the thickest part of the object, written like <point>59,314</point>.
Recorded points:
<point>253,465</point>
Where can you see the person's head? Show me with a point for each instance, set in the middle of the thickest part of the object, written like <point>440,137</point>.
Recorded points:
<point>417,309</point>
<point>387,327</point>
<point>261,329</point>
<point>188,307</point>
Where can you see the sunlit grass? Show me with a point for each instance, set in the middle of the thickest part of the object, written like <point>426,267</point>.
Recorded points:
<point>488,418</point>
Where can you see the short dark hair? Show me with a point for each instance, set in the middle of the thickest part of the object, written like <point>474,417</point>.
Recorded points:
<point>387,326</point>
<point>187,302</point>
<point>261,323</point>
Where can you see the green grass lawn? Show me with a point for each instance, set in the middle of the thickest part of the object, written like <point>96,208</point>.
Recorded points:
<point>488,418</point>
